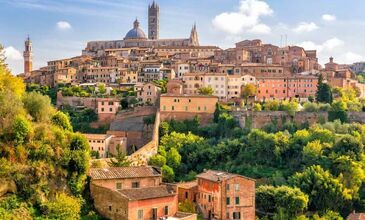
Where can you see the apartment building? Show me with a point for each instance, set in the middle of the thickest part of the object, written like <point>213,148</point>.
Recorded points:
<point>295,86</point>
<point>220,195</point>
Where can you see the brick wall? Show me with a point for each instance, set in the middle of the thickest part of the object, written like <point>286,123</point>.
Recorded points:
<point>260,119</point>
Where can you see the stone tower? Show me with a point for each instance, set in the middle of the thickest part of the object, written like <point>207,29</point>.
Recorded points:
<point>194,39</point>
<point>153,21</point>
<point>28,56</point>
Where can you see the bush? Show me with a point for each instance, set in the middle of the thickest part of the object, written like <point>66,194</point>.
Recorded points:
<point>62,120</point>
<point>62,207</point>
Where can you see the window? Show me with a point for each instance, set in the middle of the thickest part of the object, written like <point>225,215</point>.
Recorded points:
<point>186,195</point>
<point>154,213</point>
<point>164,108</point>
<point>110,103</point>
<point>140,214</point>
<point>110,208</point>
<point>198,108</point>
<point>172,108</point>
<point>102,103</point>
<point>102,109</point>
<point>227,215</point>
<point>209,198</point>
<point>119,185</point>
<point>237,200</point>
<point>110,109</point>
<point>186,108</point>
<point>135,184</point>
<point>236,187</point>
<point>236,215</point>
<point>227,187</point>
<point>228,201</point>
<point>166,210</point>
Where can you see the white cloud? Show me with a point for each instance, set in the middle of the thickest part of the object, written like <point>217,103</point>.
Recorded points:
<point>12,54</point>
<point>246,19</point>
<point>260,29</point>
<point>327,46</point>
<point>305,27</point>
<point>63,25</point>
<point>350,57</point>
<point>328,17</point>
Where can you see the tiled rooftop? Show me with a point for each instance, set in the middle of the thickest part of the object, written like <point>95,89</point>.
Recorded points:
<point>124,172</point>
<point>147,193</point>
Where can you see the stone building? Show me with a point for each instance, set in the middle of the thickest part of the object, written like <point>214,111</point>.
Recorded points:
<point>286,87</point>
<point>220,195</point>
<point>134,193</point>
<point>225,195</point>
<point>180,107</point>
<point>106,145</point>
<point>28,57</point>
<point>149,93</point>
<point>137,38</point>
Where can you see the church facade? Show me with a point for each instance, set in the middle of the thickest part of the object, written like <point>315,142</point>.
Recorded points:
<point>137,38</point>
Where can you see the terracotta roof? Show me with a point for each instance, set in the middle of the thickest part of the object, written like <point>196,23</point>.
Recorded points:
<point>215,176</point>
<point>188,95</point>
<point>124,172</point>
<point>188,185</point>
<point>97,136</point>
<point>356,216</point>
<point>147,193</point>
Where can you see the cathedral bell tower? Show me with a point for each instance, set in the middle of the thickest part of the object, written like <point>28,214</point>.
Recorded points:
<point>153,21</point>
<point>194,39</point>
<point>28,57</point>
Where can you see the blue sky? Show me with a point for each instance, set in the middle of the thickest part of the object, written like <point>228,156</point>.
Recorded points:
<point>61,28</point>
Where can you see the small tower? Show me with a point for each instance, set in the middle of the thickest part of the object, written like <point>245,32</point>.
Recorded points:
<point>153,21</point>
<point>194,39</point>
<point>28,57</point>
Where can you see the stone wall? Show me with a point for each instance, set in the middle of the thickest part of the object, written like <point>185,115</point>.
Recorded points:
<point>142,156</point>
<point>73,101</point>
<point>258,120</point>
<point>205,118</point>
<point>109,203</point>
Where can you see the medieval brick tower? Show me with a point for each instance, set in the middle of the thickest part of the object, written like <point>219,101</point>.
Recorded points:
<point>27,54</point>
<point>153,21</point>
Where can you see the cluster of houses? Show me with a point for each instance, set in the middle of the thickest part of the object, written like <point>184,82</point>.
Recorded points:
<point>138,193</point>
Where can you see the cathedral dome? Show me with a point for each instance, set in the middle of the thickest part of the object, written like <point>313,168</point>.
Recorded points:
<point>136,32</point>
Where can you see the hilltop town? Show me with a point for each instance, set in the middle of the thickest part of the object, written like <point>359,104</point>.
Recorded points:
<point>150,128</point>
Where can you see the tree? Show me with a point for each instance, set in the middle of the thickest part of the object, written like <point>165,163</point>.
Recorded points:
<point>173,158</point>
<point>248,91</point>
<point>324,93</point>
<point>62,207</point>
<point>21,130</point>
<point>187,206</point>
<point>205,91</point>
<point>62,120</point>
<point>257,107</point>
<point>271,105</point>
<point>78,163</point>
<point>272,199</point>
<point>124,103</point>
<point>157,160</point>
<point>326,192</point>
<point>119,160</point>
<point>168,174</point>
<point>101,88</point>
<point>38,106</point>
<point>349,146</point>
